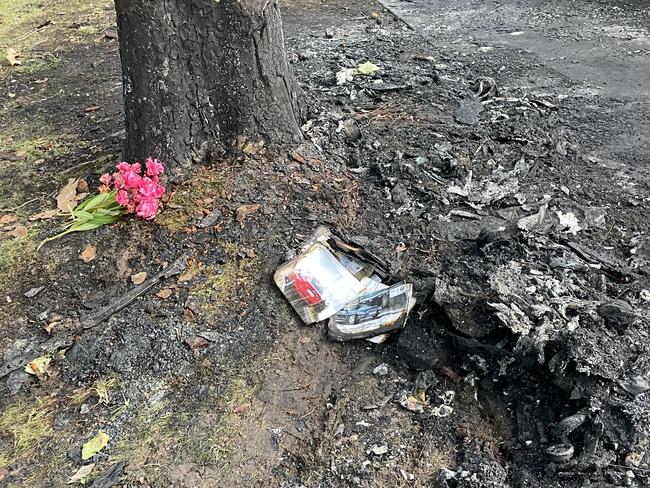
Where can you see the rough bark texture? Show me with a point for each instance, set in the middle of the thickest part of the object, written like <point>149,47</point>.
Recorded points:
<point>198,73</point>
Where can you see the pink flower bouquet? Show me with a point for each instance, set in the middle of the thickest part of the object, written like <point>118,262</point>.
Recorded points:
<point>137,190</point>
<point>129,190</point>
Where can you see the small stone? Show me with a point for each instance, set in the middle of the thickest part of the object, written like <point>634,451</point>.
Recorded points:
<point>468,111</point>
<point>211,219</point>
<point>32,292</point>
<point>329,33</point>
<point>381,370</point>
<point>379,450</point>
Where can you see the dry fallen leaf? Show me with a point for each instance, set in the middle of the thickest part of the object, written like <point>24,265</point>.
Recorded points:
<point>245,210</point>
<point>38,367</point>
<point>193,268</point>
<point>196,342</point>
<point>240,409</point>
<point>13,155</point>
<point>82,186</point>
<point>165,293</point>
<point>50,327</point>
<point>94,445</point>
<point>12,57</point>
<point>81,474</point>
<point>47,214</point>
<point>138,278</point>
<point>66,200</point>
<point>7,219</point>
<point>88,254</point>
<point>20,231</point>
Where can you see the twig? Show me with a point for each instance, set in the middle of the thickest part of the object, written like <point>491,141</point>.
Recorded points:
<point>173,269</point>
<point>38,29</point>
<point>19,206</point>
<point>395,14</point>
<point>66,340</point>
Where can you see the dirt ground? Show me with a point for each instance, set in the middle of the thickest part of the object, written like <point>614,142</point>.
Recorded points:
<point>497,160</point>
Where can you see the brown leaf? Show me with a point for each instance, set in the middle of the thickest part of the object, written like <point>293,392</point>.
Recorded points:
<point>13,155</point>
<point>193,268</point>
<point>82,186</point>
<point>12,57</point>
<point>20,231</point>
<point>138,278</point>
<point>240,409</point>
<point>92,108</point>
<point>196,342</point>
<point>7,219</point>
<point>88,254</point>
<point>50,327</point>
<point>66,199</point>
<point>47,214</point>
<point>165,293</point>
<point>245,210</point>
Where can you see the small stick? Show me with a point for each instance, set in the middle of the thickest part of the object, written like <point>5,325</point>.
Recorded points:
<point>173,269</point>
<point>395,14</point>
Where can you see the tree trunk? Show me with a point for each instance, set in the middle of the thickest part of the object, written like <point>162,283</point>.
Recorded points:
<point>199,73</point>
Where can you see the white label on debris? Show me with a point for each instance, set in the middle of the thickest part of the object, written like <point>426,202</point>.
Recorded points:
<point>393,292</point>
<point>352,266</point>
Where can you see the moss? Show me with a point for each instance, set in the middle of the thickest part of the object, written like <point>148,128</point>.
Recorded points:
<point>188,200</point>
<point>225,284</point>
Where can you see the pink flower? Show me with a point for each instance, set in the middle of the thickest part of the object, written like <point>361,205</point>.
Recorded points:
<point>135,191</point>
<point>122,198</point>
<point>118,180</point>
<point>147,208</point>
<point>132,178</point>
<point>106,179</point>
<point>154,167</point>
<point>151,188</point>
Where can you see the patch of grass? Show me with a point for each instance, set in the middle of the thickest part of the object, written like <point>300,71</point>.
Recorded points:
<point>100,389</point>
<point>187,200</point>
<point>25,427</point>
<point>23,23</point>
<point>36,65</point>
<point>20,181</point>
<point>148,442</point>
<point>30,443</point>
<point>16,257</point>
<point>167,433</point>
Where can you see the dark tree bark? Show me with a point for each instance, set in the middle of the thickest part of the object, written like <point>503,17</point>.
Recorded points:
<point>199,73</point>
